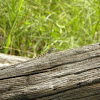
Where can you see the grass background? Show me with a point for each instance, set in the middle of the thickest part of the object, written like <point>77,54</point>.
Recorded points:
<point>31,27</point>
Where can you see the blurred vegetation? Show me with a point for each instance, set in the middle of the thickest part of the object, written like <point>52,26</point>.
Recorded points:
<point>32,27</point>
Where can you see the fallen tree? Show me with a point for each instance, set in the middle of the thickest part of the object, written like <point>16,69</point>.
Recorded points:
<point>65,75</point>
<point>7,60</point>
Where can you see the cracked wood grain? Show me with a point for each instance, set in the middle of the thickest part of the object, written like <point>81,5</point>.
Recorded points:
<point>66,75</point>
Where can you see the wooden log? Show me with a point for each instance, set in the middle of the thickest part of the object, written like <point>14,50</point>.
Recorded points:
<point>65,75</point>
<point>6,60</point>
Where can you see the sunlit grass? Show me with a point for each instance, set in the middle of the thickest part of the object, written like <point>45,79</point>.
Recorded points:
<point>29,28</point>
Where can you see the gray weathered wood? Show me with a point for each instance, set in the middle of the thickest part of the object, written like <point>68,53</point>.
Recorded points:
<point>6,60</point>
<point>66,75</point>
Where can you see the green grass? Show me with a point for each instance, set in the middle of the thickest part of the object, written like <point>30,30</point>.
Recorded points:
<point>29,28</point>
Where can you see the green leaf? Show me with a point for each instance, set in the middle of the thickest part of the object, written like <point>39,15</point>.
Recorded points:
<point>20,4</point>
<point>8,43</point>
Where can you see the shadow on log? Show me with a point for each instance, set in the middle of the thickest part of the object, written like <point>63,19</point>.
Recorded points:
<point>66,75</point>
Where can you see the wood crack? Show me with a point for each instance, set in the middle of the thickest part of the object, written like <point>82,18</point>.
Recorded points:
<point>79,86</point>
<point>46,70</point>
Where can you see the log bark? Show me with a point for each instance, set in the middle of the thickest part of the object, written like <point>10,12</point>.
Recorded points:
<point>65,75</point>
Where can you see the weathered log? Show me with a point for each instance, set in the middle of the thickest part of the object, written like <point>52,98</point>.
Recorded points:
<point>6,60</point>
<point>65,75</point>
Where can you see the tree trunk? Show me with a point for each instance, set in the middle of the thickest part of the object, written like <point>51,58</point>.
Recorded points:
<point>65,75</point>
